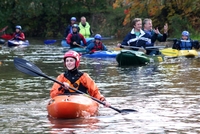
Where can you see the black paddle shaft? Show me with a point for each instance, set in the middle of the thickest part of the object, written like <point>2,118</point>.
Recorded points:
<point>31,69</point>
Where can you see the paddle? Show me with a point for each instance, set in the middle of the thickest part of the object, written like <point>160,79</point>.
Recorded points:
<point>152,47</point>
<point>31,69</point>
<point>3,29</point>
<point>79,45</point>
<point>166,52</point>
<point>49,42</point>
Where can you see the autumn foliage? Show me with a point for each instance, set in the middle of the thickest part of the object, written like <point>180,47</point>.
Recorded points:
<point>179,14</point>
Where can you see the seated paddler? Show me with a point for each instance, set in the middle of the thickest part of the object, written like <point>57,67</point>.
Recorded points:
<point>137,38</point>
<point>96,45</point>
<point>76,79</point>
<point>185,43</point>
<point>74,39</point>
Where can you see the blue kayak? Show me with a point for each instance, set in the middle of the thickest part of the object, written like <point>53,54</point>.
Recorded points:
<point>64,43</point>
<point>18,43</point>
<point>97,54</point>
<point>49,42</point>
<point>102,54</point>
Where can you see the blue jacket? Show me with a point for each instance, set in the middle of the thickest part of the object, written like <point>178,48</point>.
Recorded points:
<point>143,40</point>
<point>93,45</point>
<point>185,44</point>
<point>154,36</point>
<point>69,30</point>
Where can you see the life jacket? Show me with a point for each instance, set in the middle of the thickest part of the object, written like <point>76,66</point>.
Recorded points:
<point>17,34</point>
<point>75,37</point>
<point>75,82</point>
<point>185,45</point>
<point>97,46</point>
<point>85,31</point>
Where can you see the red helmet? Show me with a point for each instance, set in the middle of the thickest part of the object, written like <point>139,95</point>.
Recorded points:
<point>73,54</point>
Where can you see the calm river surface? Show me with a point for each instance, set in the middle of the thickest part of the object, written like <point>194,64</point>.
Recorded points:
<point>166,95</point>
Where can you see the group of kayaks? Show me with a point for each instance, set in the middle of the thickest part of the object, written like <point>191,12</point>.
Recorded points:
<point>80,106</point>
<point>127,57</point>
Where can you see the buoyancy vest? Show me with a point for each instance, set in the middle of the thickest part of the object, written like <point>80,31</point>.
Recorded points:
<point>85,30</point>
<point>75,82</point>
<point>185,45</point>
<point>17,34</point>
<point>75,37</point>
<point>97,46</point>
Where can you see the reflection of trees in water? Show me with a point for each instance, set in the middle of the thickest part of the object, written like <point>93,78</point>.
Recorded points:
<point>73,125</point>
<point>98,68</point>
<point>181,74</point>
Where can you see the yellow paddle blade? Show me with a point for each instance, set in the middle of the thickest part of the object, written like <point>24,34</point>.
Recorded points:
<point>170,52</point>
<point>188,53</point>
<point>117,49</point>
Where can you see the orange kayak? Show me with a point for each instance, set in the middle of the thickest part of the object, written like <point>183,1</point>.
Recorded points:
<point>72,106</point>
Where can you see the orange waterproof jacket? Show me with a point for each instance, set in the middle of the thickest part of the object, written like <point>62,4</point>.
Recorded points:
<point>85,80</point>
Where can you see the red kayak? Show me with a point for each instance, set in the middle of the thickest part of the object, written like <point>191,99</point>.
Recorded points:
<point>72,106</point>
<point>7,36</point>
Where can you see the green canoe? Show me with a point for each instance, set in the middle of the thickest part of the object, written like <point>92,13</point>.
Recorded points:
<point>136,58</point>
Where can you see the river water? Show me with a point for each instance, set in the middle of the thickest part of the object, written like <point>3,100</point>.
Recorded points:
<point>166,95</point>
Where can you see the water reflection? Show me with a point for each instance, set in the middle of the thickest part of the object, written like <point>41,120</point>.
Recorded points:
<point>73,125</point>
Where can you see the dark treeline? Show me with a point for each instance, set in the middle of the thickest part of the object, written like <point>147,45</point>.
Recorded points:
<point>48,18</point>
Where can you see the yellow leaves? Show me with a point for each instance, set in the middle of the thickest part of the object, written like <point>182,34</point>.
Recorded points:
<point>163,10</point>
<point>126,19</point>
<point>115,5</point>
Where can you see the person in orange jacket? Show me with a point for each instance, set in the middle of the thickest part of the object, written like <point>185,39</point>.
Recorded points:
<point>72,77</point>
<point>18,35</point>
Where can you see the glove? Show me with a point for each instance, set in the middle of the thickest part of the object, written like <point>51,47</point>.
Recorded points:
<point>17,37</point>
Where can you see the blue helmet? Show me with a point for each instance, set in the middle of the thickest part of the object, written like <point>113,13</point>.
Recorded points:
<point>73,18</point>
<point>97,36</point>
<point>186,33</point>
<point>75,26</point>
<point>18,27</point>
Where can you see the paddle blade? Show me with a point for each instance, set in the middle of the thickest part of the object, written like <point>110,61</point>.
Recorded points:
<point>48,42</point>
<point>3,29</point>
<point>27,67</point>
<point>123,110</point>
<point>128,110</point>
<point>170,52</point>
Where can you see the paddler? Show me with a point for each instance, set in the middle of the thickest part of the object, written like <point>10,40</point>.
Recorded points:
<point>18,35</point>
<point>68,29</point>
<point>85,28</point>
<point>96,45</point>
<point>75,38</point>
<point>154,34</point>
<point>185,43</point>
<point>72,77</point>
<point>137,37</point>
